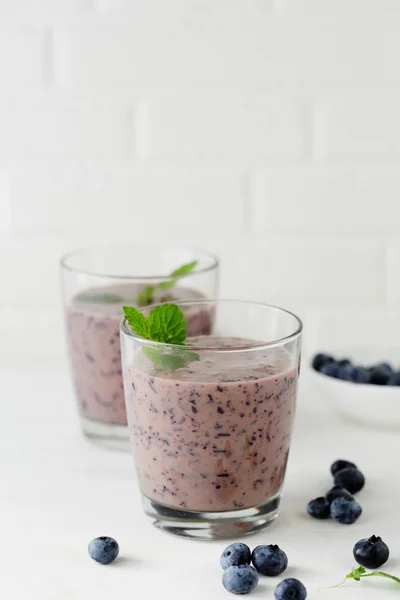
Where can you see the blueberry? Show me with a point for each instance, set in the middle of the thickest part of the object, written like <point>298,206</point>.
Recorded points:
<point>394,379</point>
<point>103,549</point>
<point>354,374</point>
<point>380,375</point>
<point>340,464</point>
<point>269,560</point>
<point>345,510</point>
<point>384,367</point>
<point>344,362</point>
<point>321,359</point>
<point>290,589</point>
<point>240,579</point>
<point>336,492</point>
<point>371,553</point>
<point>360,375</point>
<point>350,478</point>
<point>330,369</point>
<point>345,372</point>
<point>235,554</point>
<point>319,508</point>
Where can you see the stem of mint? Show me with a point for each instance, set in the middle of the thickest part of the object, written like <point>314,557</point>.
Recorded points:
<point>361,573</point>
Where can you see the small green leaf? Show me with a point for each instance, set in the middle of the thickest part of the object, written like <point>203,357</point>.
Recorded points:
<point>147,296</point>
<point>166,285</point>
<point>168,362</point>
<point>184,269</point>
<point>137,321</point>
<point>167,324</point>
<point>99,298</point>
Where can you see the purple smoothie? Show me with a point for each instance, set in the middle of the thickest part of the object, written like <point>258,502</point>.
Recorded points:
<point>94,346</point>
<point>214,435</point>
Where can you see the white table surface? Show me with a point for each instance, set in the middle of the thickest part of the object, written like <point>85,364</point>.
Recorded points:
<point>58,491</point>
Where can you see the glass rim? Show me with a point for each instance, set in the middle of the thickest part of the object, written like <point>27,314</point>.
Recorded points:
<point>248,348</point>
<point>63,261</point>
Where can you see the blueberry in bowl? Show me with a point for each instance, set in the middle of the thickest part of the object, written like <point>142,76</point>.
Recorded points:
<point>360,383</point>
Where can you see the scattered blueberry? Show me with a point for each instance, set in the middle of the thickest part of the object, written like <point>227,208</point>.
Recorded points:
<point>345,510</point>
<point>336,492</point>
<point>240,579</point>
<point>380,375</point>
<point>321,359</point>
<point>103,549</point>
<point>350,478</point>
<point>371,553</point>
<point>319,508</point>
<point>269,560</point>
<point>394,379</point>
<point>330,369</point>
<point>235,554</point>
<point>340,464</point>
<point>290,589</point>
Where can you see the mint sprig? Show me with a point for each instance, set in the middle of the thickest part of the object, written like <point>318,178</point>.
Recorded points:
<point>146,297</point>
<point>360,573</point>
<point>165,324</point>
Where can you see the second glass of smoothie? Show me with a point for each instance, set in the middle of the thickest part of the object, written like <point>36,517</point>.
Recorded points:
<point>99,280</point>
<point>211,438</point>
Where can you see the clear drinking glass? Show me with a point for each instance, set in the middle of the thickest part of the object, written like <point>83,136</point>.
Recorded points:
<point>211,439</point>
<point>97,281</point>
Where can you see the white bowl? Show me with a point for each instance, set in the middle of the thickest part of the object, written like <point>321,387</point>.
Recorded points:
<point>373,405</point>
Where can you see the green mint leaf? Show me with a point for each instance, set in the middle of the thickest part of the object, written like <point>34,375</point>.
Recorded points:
<point>146,297</point>
<point>356,573</point>
<point>168,362</point>
<point>100,298</point>
<point>167,324</point>
<point>184,269</point>
<point>137,321</point>
<point>175,275</point>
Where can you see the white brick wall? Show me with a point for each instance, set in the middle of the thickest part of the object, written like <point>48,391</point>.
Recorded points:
<point>269,129</point>
<point>249,129</point>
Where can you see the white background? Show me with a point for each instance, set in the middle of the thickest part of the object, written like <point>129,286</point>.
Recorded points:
<point>266,131</point>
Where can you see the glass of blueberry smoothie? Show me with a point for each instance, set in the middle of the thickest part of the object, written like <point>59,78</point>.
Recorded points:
<point>97,281</point>
<point>210,416</point>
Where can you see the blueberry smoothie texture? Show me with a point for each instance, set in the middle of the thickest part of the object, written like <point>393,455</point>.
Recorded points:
<point>214,435</point>
<point>92,324</point>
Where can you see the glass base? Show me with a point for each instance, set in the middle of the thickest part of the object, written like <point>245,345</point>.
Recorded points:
<point>107,435</point>
<point>212,525</point>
